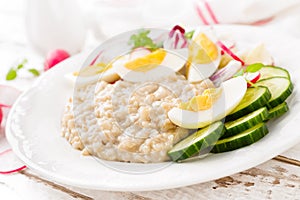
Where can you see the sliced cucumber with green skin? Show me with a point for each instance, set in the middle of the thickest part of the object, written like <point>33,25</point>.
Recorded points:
<point>255,98</point>
<point>245,138</point>
<point>269,71</point>
<point>278,110</point>
<point>281,88</point>
<point>197,142</point>
<point>246,122</point>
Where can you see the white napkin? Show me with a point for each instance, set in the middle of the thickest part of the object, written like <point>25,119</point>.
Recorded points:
<point>245,11</point>
<point>112,17</point>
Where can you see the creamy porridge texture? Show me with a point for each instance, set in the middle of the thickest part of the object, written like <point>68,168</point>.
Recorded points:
<point>127,121</point>
<point>150,96</point>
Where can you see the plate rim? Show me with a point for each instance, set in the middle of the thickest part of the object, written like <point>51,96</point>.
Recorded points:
<point>52,176</point>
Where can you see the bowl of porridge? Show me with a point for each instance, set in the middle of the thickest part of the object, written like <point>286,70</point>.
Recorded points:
<point>158,97</point>
<point>134,110</point>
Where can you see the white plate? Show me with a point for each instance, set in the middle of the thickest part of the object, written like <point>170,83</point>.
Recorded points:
<point>33,130</point>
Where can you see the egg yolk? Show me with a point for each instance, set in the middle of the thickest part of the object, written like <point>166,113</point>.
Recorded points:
<point>93,69</point>
<point>148,62</point>
<point>202,50</point>
<point>203,101</point>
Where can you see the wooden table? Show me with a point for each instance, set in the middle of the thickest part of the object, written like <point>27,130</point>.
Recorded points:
<point>278,178</point>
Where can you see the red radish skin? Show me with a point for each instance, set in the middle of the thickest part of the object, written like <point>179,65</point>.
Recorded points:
<point>4,106</point>
<point>226,72</point>
<point>54,57</point>
<point>176,38</point>
<point>175,28</point>
<point>229,52</point>
<point>185,43</point>
<point>256,78</point>
<point>96,58</point>
<point>1,115</point>
<point>13,170</point>
<point>252,78</point>
<point>230,47</point>
<point>1,111</point>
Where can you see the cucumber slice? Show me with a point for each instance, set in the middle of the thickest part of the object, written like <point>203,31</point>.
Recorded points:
<point>246,122</point>
<point>197,142</point>
<point>245,138</point>
<point>279,87</point>
<point>273,71</point>
<point>278,110</point>
<point>255,98</point>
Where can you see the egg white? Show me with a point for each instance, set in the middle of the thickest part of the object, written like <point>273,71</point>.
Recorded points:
<point>109,76</point>
<point>199,72</point>
<point>172,62</point>
<point>233,90</point>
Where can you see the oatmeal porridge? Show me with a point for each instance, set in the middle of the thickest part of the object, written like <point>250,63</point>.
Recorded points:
<point>127,121</point>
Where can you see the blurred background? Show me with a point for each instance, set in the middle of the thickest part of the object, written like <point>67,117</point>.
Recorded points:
<point>31,28</point>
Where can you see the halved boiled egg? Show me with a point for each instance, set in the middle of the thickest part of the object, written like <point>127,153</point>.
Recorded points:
<point>232,92</point>
<point>203,56</point>
<point>93,73</point>
<point>148,66</point>
<point>259,54</point>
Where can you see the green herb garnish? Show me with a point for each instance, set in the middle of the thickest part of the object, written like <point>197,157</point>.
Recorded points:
<point>34,72</point>
<point>250,68</point>
<point>141,39</point>
<point>189,34</point>
<point>21,65</point>
<point>254,67</point>
<point>13,72</point>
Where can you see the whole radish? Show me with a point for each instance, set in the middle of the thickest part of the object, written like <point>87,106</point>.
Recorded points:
<point>1,115</point>
<point>55,56</point>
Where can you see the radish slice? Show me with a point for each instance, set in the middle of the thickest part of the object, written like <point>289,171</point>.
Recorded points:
<point>176,28</point>
<point>229,52</point>
<point>252,78</point>
<point>8,95</point>
<point>1,115</point>
<point>226,72</point>
<point>96,58</point>
<point>176,39</point>
<point>6,151</point>
<point>1,112</point>
<point>55,56</point>
<point>12,170</point>
<point>4,106</point>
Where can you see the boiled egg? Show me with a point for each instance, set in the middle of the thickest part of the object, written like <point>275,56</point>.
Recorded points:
<point>143,66</point>
<point>203,56</point>
<point>259,54</point>
<point>250,55</point>
<point>92,74</point>
<point>227,97</point>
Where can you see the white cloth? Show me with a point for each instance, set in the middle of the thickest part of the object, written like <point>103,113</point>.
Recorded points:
<point>111,17</point>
